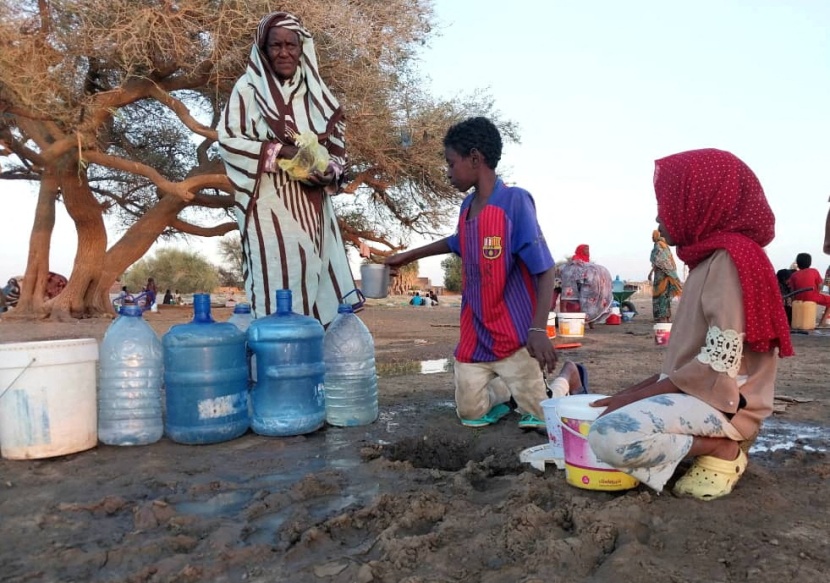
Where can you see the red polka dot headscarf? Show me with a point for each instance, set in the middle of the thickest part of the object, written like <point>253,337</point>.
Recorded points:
<point>709,200</point>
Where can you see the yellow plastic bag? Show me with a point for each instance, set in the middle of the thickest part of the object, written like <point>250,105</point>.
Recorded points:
<point>311,157</point>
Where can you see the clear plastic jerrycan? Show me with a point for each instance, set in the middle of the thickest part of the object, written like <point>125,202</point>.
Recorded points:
<point>351,382</point>
<point>130,369</point>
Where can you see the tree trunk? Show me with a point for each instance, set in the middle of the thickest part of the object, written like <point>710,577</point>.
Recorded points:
<point>33,287</point>
<point>87,214</point>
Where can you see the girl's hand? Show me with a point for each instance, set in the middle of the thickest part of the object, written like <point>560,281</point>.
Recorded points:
<point>615,402</point>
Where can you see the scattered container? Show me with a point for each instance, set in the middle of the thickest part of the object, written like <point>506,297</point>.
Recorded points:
<point>242,318</point>
<point>551,327</point>
<point>287,397</point>
<point>374,280</point>
<point>351,381</point>
<point>130,380</point>
<point>662,333</point>
<point>571,324</point>
<point>582,468</point>
<point>206,378</point>
<point>555,450</point>
<point>47,398</point>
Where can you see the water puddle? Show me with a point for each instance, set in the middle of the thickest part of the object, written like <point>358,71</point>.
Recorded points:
<point>392,369</point>
<point>224,504</point>
<point>780,434</point>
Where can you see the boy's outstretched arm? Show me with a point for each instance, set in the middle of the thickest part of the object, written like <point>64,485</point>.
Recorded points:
<point>538,343</point>
<point>439,247</point>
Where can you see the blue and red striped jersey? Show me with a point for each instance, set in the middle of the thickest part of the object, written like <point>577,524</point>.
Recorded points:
<point>502,252</point>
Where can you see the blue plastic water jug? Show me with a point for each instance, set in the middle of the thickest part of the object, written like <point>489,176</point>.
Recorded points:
<point>206,375</point>
<point>130,370</point>
<point>287,396</point>
<point>351,382</point>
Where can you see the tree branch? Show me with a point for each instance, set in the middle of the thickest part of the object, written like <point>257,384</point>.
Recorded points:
<point>214,231</point>
<point>183,113</point>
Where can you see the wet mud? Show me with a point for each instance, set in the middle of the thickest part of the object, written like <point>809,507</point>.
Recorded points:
<point>417,498</point>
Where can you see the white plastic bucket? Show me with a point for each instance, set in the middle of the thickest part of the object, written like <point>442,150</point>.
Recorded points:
<point>374,280</point>
<point>554,429</point>
<point>48,398</point>
<point>551,325</point>
<point>571,324</point>
<point>662,333</point>
<point>582,468</point>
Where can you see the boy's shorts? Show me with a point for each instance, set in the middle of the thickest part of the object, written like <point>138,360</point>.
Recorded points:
<point>479,386</point>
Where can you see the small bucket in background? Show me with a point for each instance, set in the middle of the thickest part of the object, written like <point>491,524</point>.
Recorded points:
<point>571,324</point>
<point>554,429</point>
<point>374,280</point>
<point>582,468</point>
<point>662,333</point>
<point>551,325</point>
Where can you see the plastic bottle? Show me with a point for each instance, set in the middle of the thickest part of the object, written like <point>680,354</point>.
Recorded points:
<point>351,382</point>
<point>241,316</point>
<point>287,396</point>
<point>206,375</point>
<point>130,371</point>
<point>617,285</point>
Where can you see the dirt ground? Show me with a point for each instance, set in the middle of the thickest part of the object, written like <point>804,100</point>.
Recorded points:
<point>416,497</point>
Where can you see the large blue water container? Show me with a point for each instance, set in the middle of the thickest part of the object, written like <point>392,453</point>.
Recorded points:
<point>130,369</point>
<point>288,395</point>
<point>351,381</point>
<point>206,376</point>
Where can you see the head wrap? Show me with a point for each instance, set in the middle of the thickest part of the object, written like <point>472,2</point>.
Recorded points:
<point>709,200</point>
<point>303,102</point>
<point>582,253</point>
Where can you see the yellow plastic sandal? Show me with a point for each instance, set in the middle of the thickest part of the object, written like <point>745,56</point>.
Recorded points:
<point>710,477</point>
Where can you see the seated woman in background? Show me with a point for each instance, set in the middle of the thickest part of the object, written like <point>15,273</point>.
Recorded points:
<point>809,277</point>
<point>586,286</point>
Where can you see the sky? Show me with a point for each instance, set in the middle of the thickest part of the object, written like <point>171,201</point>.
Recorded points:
<point>599,90</point>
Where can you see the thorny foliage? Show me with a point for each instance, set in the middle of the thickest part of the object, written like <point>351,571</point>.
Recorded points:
<point>142,82</point>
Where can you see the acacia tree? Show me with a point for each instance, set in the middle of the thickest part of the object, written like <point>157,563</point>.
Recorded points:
<point>110,107</point>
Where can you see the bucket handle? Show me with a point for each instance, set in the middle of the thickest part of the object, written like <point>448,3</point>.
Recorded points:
<point>361,299</point>
<point>20,374</point>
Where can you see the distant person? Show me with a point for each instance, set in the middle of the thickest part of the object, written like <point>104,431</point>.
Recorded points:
<point>150,292</point>
<point>808,277</point>
<point>416,300</point>
<point>508,282</point>
<point>717,382</point>
<point>586,286</point>
<point>665,284</point>
<point>178,298</point>
<point>433,298</point>
<point>168,298</point>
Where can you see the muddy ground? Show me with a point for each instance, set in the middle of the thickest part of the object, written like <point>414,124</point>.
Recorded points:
<point>416,497</point>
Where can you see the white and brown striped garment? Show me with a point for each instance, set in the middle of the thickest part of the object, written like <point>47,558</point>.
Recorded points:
<point>290,236</point>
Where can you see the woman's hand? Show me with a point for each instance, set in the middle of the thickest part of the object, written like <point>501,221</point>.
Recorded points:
<point>395,262</point>
<point>541,348</point>
<point>318,179</point>
<point>287,152</point>
<point>615,402</point>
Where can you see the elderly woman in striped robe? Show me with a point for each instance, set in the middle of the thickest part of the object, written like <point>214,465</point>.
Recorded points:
<point>290,236</point>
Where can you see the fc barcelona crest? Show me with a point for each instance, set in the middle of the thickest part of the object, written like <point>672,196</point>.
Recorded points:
<point>491,247</point>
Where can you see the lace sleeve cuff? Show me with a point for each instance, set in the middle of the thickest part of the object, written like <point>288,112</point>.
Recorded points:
<point>723,351</point>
